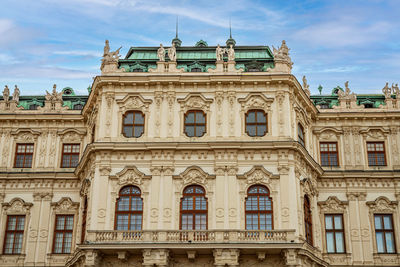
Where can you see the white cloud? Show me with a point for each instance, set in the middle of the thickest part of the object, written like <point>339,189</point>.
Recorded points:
<point>83,53</point>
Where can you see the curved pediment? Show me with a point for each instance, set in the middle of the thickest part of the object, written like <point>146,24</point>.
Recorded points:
<point>194,174</point>
<point>195,101</point>
<point>258,174</point>
<point>130,175</point>
<point>255,101</point>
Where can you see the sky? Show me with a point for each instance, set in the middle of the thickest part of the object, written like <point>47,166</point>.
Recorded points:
<point>46,42</point>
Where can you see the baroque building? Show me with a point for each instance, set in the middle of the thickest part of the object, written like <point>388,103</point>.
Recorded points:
<point>200,156</point>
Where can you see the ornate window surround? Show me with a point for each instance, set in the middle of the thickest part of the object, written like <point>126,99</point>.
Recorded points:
<point>376,134</point>
<point>258,175</point>
<point>24,135</point>
<point>330,134</point>
<point>65,206</point>
<point>69,136</point>
<point>332,205</point>
<point>256,101</point>
<point>130,175</point>
<point>16,206</point>
<point>133,102</point>
<point>304,120</point>
<point>382,205</point>
<point>194,101</point>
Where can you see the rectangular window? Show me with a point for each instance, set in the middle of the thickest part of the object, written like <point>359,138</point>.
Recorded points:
<point>70,156</point>
<point>329,154</point>
<point>334,232</point>
<point>14,234</point>
<point>300,134</point>
<point>384,233</point>
<point>376,154</point>
<point>63,234</point>
<point>23,156</point>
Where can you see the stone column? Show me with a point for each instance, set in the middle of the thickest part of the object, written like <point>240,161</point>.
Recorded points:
<point>355,228</point>
<point>220,203</point>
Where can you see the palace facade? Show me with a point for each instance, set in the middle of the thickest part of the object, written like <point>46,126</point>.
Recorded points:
<point>200,156</point>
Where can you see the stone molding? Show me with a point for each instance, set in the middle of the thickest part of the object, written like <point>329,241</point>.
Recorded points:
<point>194,175</point>
<point>71,135</point>
<point>129,175</point>
<point>134,101</point>
<point>382,205</point>
<point>25,135</point>
<point>256,101</point>
<point>65,206</point>
<point>224,257</point>
<point>258,175</point>
<point>333,205</point>
<point>195,101</point>
<point>159,257</point>
<point>17,206</point>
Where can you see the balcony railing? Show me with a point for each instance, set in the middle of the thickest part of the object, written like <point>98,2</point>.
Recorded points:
<point>179,236</point>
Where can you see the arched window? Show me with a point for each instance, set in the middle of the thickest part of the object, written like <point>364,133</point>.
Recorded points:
<point>308,220</point>
<point>129,209</point>
<point>300,134</point>
<point>259,212</point>
<point>256,123</point>
<point>193,208</point>
<point>133,124</point>
<point>195,123</point>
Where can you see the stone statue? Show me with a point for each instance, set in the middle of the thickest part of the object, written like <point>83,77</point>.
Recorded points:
<point>54,96</point>
<point>396,91</point>
<point>6,94</point>
<point>15,95</point>
<point>231,53</point>
<point>106,49</point>
<point>282,52</point>
<point>306,86</point>
<point>347,94</point>
<point>172,52</point>
<point>110,58</point>
<point>219,52</point>
<point>161,53</point>
<point>387,91</point>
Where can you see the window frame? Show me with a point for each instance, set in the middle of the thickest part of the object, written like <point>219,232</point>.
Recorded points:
<point>194,124</point>
<point>15,232</point>
<point>381,215</point>
<point>194,212</point>
<point>64,231</point>
<point>133,125</point>
<point>308,220</point>
<point>25,154</point>
<point>128,212</point>
<point>301,138</point>
<point>334,231</point>
<point>329,153</point>
<point>375,152</point>
<point>258,211</point>
<point>70,154</point>
<point>256,123</point>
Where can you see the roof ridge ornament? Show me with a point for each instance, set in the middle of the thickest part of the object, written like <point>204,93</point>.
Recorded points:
<point>109,62</point>
<point>230,41</point>
<point>176,41</point>
<point>283,62</point>
<point>306,86</point>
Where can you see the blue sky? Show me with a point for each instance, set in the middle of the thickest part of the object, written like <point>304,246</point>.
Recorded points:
<point>43,42</point>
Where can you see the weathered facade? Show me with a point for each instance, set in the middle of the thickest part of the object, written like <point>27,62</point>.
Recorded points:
<point>200,156</point>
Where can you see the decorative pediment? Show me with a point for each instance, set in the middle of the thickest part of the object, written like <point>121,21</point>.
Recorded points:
<point>194,175</point>
<point>65,205</point>
<point>258,174</point>
<point>255,101</point>
<point>382,204</point>
<point>25,135</point>
<point>375,132</point>
<point>333,204</point>
<point>130,175</point>
<point>195,101</point>
<point>134,101</point>
<point>327,133</point>
<point>17,206</point>
<point>71,135</point>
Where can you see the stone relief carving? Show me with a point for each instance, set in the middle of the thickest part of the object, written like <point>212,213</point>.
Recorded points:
<point>133,101</point>
<point>25,135</point>
<point>224,257</point>
<point>333,204</point>
<point>375,132</point>
<point>71,135</point>
<point>65,205</point>
<point>195,101</point>
<point>17,206</point>
<point>255,101</point>
<point>382,204</point>
<point>194,175</point>
<point>129,175</point>
<point>258,174</point>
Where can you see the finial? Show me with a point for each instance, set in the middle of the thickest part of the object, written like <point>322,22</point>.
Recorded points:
<point>230,29</point>
<point>176,35</point>
<point>230,41</point>
<point>176,41</point>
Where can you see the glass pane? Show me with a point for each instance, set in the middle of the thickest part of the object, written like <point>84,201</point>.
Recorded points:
<point>199,190</point>
<point>378,223</point>
<point>200,118</point>
<point>332,147</point>
<point>187,203</point>
<point>137,204</point>
<point>187,222</point>
<point>29,149</point>
<point>324,147</point>
<point>189,130</point>
<point>261,130</point>
<point>128,131</point>
<point>69,222</point>
<point>75,148</point>
<point>138,131</point>
<point>387,222</point>
<point>261,117</point>
<point>330,246</point>
<point>251,130</point>
<point>339,243</point>
<point>389,243</point>
<point>189,190</point>
<point>380,159</point>
<point>325,159</point>
<point>200,130</point>
<point>9,243</point>
<point>58,243</point>
<point>60,223</point>
<point>67,243</point>
<point>123,203</point>
<point>136,222</point>
<point>189,117</point>
<point>328,222</point>
<point>125,190</point>
<point>200,222</point>
<point>380,242</point>
<point>139,118</point>
<point>12,221</point>
<point>122,222</point>
<point>128,118</point>
<point>74,160</point>
<point>251,117</point>
<point>338,222</point>
<point>18,243</point>
<point>251,203</point>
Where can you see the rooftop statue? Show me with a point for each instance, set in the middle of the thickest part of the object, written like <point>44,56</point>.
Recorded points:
<point>54,96</point>
<point>282,52</point>
<point>172,53</point>
<point>161,53</point>
<point>306,87</point>
<point>6,94</point>
<point>396,90</point>
<point>387,91</point>
<point>346,95</point>
<point>16,93</point>
<point>231,53</point>
<point>110,59</point>
<point>219,52</point>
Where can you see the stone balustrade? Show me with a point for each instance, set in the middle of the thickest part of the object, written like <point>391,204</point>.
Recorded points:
<point>179,236</point>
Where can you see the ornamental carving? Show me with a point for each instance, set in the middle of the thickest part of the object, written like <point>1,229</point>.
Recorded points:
<point>255,101</point>
<point>195,101</point>
<point>134,101</point>
<point>224,257</point>
<point>309,186</point>
<point>258,174</point>
<point>382,204</point>
<point>17,206</point>
<point>71,135</point>
<point>65,205</point>
<point>25,135</point>
<point>194,175</point>
<point>375,132</point>
<point>328,133</point>
<point>130,175</point>
<point>333,204</point>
